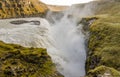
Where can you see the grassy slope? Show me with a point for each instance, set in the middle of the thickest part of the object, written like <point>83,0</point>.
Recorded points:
<point>104,43</point>
<point>17,61</point>
<point>21,8</point>
<point>56,8</point>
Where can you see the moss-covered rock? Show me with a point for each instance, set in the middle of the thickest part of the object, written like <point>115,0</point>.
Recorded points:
<point>103,71</point>
<point>18,61</point>
<point>22,8</point>
<point>104,41</point>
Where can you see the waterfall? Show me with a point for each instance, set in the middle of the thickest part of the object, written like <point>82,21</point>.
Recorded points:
<point>69,40</point>
<point>63,39</point>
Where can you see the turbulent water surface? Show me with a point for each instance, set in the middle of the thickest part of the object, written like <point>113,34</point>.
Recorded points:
<point>63,39</point>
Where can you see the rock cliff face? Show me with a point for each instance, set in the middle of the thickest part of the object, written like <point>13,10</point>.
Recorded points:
<point>18,61</point>
<point>21,8</point>
<point>103,46</point>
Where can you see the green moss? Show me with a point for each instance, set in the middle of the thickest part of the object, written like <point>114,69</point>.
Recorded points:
<point>104,42</point>
<point>101,70</point>
<point>18,61</point>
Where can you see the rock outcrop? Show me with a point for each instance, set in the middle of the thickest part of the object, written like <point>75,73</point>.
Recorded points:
<point>22,8</point>
<point>18,61</point>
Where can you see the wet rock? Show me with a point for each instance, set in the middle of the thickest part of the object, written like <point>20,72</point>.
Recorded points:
<point>35,22</point>
<point>19,22</point>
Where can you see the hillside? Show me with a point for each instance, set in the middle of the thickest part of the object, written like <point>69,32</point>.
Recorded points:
<point>56,8</point>
<point>18,61</point>
<point>21,8</point>
<point>103,46</point>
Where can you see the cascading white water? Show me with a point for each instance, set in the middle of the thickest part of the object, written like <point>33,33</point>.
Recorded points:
<point>28,34</point>
<point>70,41</point>
<point>70,45</point>
<point>63,39</point>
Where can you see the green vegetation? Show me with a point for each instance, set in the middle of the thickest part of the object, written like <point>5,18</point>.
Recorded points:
<point>104,41</point>
<point>18,61</point>
<point>102,70</point>
<point>22,8</point>
<point>108,7</point>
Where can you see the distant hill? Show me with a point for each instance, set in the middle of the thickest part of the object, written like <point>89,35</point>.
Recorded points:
<point>57,8</point>
<point>21,8</point>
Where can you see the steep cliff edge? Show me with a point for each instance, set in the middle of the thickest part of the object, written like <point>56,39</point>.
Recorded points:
<point>22,8</point>
<point>104,43</point>
<point>18,61</point>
